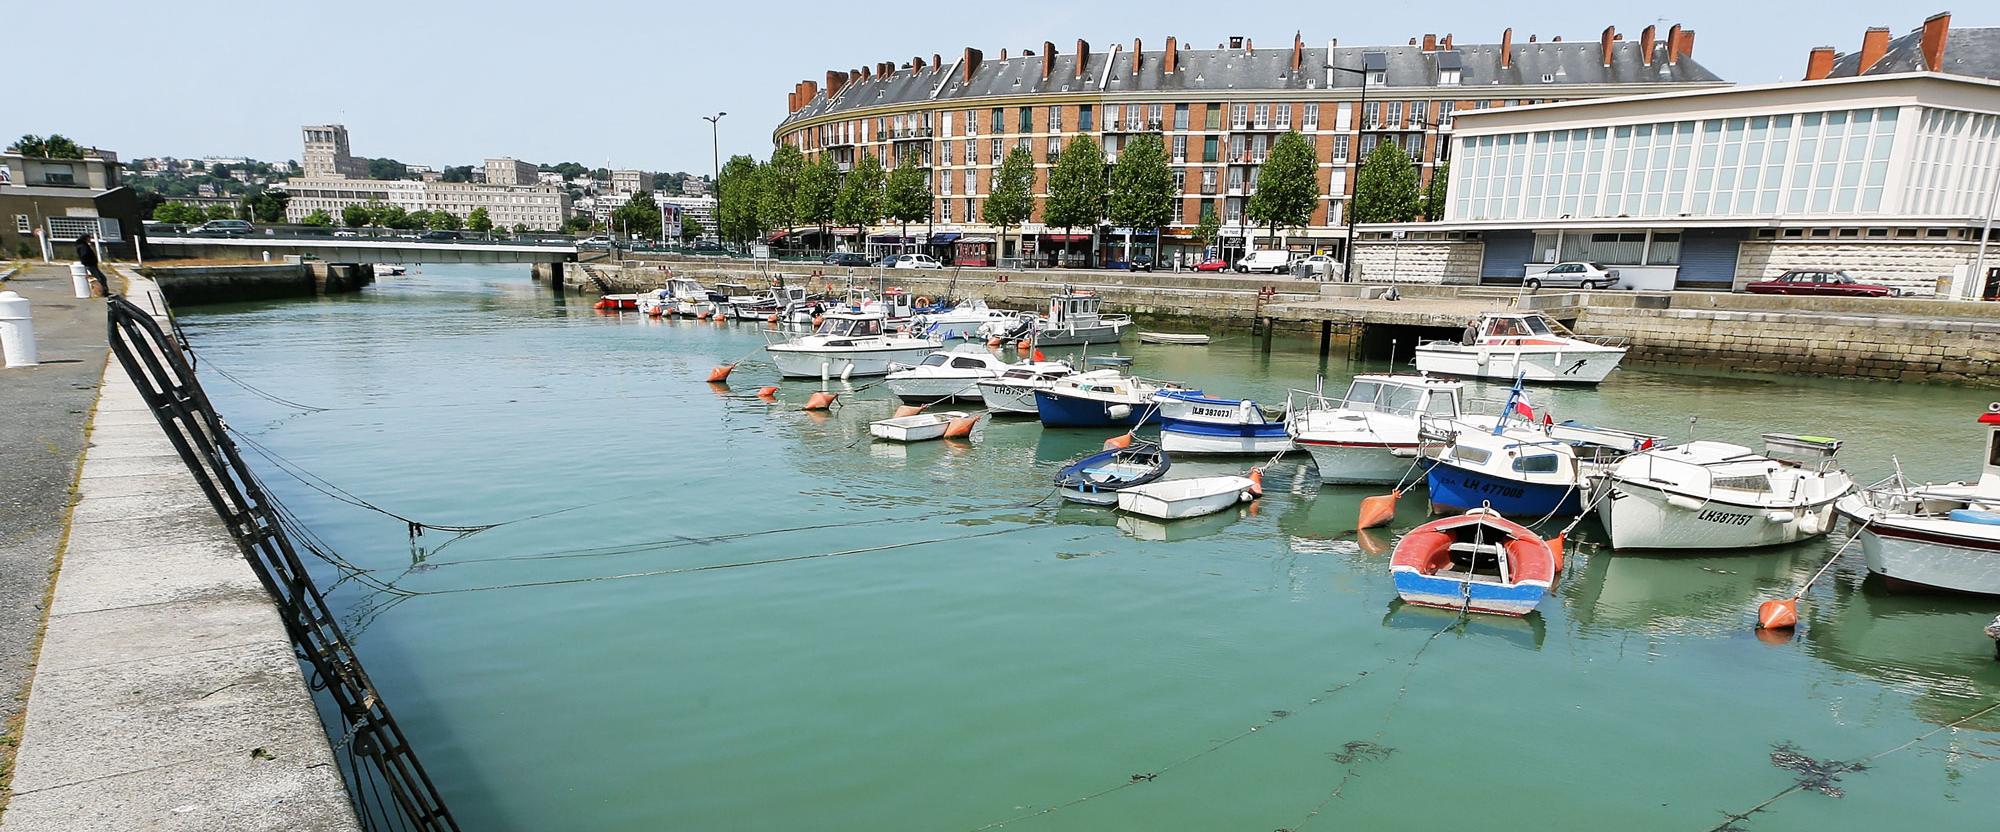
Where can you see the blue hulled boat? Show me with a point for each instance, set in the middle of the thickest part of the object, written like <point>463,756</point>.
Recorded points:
<point>1519,467</point>
<point>1191,422</point>
<point>1099,398</point>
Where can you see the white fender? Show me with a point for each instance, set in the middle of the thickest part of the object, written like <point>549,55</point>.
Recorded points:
<point>1682,501</point>
<point>1118,411</point>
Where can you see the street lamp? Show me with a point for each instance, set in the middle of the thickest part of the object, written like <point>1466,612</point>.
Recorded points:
<point>1347,263</point>
<point>715,156</point>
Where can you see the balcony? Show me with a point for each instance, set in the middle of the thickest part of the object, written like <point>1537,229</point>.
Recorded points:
<point>1053,153</point>
<point>910,134</point>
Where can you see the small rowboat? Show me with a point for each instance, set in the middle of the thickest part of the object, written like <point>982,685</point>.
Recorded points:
<point>1110,360</point>
<point>1097,479</point>
<point>1477,561</point>
<point>1175,499</point>
<point>1172,338</point>
<point>922,427</point>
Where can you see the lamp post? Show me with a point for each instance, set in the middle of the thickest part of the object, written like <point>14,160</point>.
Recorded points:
<point>1347,262</point>
<point>715,156</point>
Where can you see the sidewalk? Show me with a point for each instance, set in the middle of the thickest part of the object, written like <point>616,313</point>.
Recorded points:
<point>166,695</point>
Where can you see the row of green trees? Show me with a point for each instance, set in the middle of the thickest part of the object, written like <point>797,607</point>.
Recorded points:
<point>396,216</point>
<point>1135,191</point>
<point>258,206</point>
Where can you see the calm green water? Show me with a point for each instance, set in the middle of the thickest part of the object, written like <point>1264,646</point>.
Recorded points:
<point>566,672</point>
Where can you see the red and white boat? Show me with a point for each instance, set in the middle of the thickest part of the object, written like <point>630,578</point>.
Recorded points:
<point>1936,536</point>
<point>1522,345</point>
<point>1477,561</point>
<point>1372,434</point>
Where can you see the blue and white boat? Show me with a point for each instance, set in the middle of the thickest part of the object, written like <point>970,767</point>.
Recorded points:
<point>1519,467</point>
<point>1097,479</point>
<point>1099,398</point>
<point>1192,423</point>
<point>1477,562</point>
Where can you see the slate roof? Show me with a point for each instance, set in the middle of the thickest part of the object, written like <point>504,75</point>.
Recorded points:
<point>1973,51</point>
<point>1211,70</point>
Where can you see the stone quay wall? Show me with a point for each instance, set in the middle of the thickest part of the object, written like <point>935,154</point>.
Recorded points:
<point>188,285</point>
<point>1895,348</point>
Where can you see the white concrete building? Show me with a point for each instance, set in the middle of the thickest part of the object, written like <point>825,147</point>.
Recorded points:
<point>507,170</point>
<point>1889,176</point>
<point>327,154</point>
<point>539,207</point>
<point>698,208</point>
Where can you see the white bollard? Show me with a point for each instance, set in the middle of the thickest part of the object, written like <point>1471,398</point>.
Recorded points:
<point>17,331</point>
<point>79,278</point>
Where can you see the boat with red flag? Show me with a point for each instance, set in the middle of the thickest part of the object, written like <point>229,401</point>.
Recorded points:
<point>1477,561</point>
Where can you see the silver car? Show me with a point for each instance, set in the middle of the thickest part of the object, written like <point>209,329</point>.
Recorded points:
<point>1578,274</point>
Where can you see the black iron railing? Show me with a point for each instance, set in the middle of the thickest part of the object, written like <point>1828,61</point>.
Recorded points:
<point>377,752</point>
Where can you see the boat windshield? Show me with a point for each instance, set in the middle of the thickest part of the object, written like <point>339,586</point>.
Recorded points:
<point>1440,404</point>
<point>851,326</point>
<point>1505,328</point>
<point>1377,397</point>
<point>1537,325</point>
<point>935,359</point>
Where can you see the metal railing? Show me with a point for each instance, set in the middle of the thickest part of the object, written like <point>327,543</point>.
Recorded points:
<point>377,749</point>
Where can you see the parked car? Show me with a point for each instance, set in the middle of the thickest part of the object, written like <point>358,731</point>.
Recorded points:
<point>1215,265</point>
<point>1579,274</point>
<point>346,232</point>
<point>847,258</point>
<point>156,227</point>
<point>917,261</point>
<point>1319,266</point>
<point>1139,263</point>
<point>1819,282</point>
<point>709,247</point>
<point>441,235</point>
<point>599,241</point>
<point>1273,261</point>
<point>221,228</point>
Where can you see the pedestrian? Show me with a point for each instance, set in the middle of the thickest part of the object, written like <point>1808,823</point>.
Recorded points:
<point>86,253</point>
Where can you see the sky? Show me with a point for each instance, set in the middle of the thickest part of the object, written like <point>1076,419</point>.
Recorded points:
<point>626,84</point>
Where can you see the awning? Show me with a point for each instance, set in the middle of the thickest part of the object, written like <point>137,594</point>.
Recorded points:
<point>1065,238</point>
<point>776,236</point>
<point>975,241</point>
<point>944,239</point>
<point>890,238</point>
<point>1177,233</point>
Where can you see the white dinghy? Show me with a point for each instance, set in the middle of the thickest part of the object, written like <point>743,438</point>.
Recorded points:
<point>922,427</point>
<point>1175,499</point>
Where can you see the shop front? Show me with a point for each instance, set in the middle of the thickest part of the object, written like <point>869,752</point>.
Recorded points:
<point>973,251</point>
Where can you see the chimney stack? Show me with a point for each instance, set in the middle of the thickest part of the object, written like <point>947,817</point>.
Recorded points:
<point>969,65</point>
<point>835,79</point>
<point>937,61</point>
<point>1171,62</point>
<point>1604,43</point>
<point>1446,43</point>
<point>1136,53</point>
<point>1687,43</point>
<point>1248,47</point>
<point>1048,59</point>
<point>1507,48</point>
<point>1003,54</point>
<point>1874,44</point>
<point>1819,63</point>
<point>1531,38</point>
<point>1646,46</point>
<point>1936,27</point>
<point>812,91</point>
<point>917,64</point>
<point>1298,51</point>
<point>1430,42</point>
<point>1082,57</point>
<point>1674,45</point>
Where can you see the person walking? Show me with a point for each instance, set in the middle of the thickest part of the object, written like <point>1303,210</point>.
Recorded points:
<point>86,253</point>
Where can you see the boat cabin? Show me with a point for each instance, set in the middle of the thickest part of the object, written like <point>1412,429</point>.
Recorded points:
<point>1513,328</point>
<point>1080,307</point>
<point>686,288</point>
<point>959,360</point>
<point>850,325</point>
<point>1403,396</point>
<point>1044,372</point>
<point>735,289</point>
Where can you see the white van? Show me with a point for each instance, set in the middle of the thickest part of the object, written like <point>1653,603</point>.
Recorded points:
<point>1268,260</point>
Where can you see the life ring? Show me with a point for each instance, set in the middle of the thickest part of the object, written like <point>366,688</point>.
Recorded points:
<point>923,300</point>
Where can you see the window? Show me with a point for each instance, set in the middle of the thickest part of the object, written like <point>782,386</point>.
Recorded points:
<point>998,119</point>
<point>1263,117</point>
<point>1180,212</point>
<point>1208,181</point>
<point>1083,122</point>
<point>1055,119</point>
<point>1027,118</point>
<point>1371,115</point>
<point>949,152</point>
<point>1111,121</point>
<point>58,173</point>
<point>1284,121</point>
<point>1380,76</point>
<point>1418,110</point>
<point>1055,148</point>
<point>1239,116</point>
<point>1235,179</point>
<point>1180,149</point>
<point>972,122</point>
<point>1180,180</point>
<point>1152,116</point>
<point>22,225</point>
<point>1445,109</point>
<point>945,186</point>
<point>971,182</point>
<point>1537,464</point>
<point>971,151</point>
<point>1214,119</point>
<point>1448,77</point>
<point>1311,121</point>
<point>1180,116</point>
<point>1210,147</point>
<point>1395,114</point>
<point>998,150</point>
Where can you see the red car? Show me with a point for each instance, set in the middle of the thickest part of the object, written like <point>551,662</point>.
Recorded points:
<point>1211,265</point>
<point>1819,282</point>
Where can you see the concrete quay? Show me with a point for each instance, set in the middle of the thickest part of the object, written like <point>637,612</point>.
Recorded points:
<point>165,694</point>
<point>195,284</point>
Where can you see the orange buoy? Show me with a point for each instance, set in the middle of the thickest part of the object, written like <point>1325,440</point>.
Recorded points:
<point>993,342</point>
<point>701,315</point>
<point>819,401</point>
<point>721,318</point>
<point>908,410</point>
<point>1123,440</point>
<point>1556,549</point>
<point>1021,347</point>
<point>772,319</point>
<point>1371,542</point>
<point>960,428</point>
<point>1377,510</point>
<point>1040,357</point>
<point>1256,482</point>
<point>721,373</point>
<point>767,392</point>
<point>816,320</point>
<point>1780,614</point>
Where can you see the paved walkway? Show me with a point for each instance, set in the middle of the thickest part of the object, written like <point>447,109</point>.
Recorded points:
<point>166,695</point>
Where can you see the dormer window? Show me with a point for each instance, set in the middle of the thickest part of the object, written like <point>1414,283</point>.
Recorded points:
<point>1448,77</point>
<point>1378,77</point>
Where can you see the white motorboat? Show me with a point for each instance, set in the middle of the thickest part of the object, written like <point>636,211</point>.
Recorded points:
<point>893,304</point>
<point>1372,434</point>
<point>1715,495</point>
<point>960,322</point>
<point>1521,345</point>
<point>1013,392</point>
<point>687,297</point>
<point>1193,423</point>
<point>777,301</point>
<point>1935,536</point>
<point>952,374</point>
<point>846,345</point>
<point>1074,318</point>
<point>1175,499</point>
<point>922,427</point>
<point>1172,338</point>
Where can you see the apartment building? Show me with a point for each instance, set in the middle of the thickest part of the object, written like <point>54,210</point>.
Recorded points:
<point>332,181</point>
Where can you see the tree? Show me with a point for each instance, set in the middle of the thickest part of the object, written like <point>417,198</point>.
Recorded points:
<point>908,196</point>
<point>223,211</point>
<point>736,207</point>
<point>60,147</point>
<point>267,206</point>
<point>460,173</point>
<point>394,216</point>
<point>1385,189</point>
<point>1287,185</point>
<point>444,220</point>
<point>31,146</point>
<point>1077,187</point>
<point>1142,186</point>
<point>387,169</point>
<point>1011,199</point>
<point>639,215</point>
<point>219,170</point>
<point>782,177</point>
<point>1210,229</point>
<point>179,213</point>
<point>520,228</point>
<point>319,218</point>
<point>819,188</point>
<point>479,220</point>
<point>691,229</point>
<point>579,223</point>
<point>356,216</point>
<point>860,201</point>
<point>1434,196</point>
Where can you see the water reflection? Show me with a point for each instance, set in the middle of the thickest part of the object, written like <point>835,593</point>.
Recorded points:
<point>1526,632</point>
<point>1147,528</point>
<point>1690,594</point>
<point>1930,645</point>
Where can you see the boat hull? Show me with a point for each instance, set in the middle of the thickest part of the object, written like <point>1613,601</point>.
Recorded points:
<point>1475,596</point>
<point>1560,366</point>
<point>1933,561</point>
<point>1090,498</point>
<point>1362,463</point>
<point>1058,411</point>
<point>1224,440</point>
<point>797,363</point>
<point>1454,488</point>
<point>1161,501</point>
<point>931,390</point>
<point>1079,336</point>
<point>1009,398</point>
<point>1642,517</point>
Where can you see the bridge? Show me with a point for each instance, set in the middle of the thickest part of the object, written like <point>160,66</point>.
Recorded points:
<point>363,250</point>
